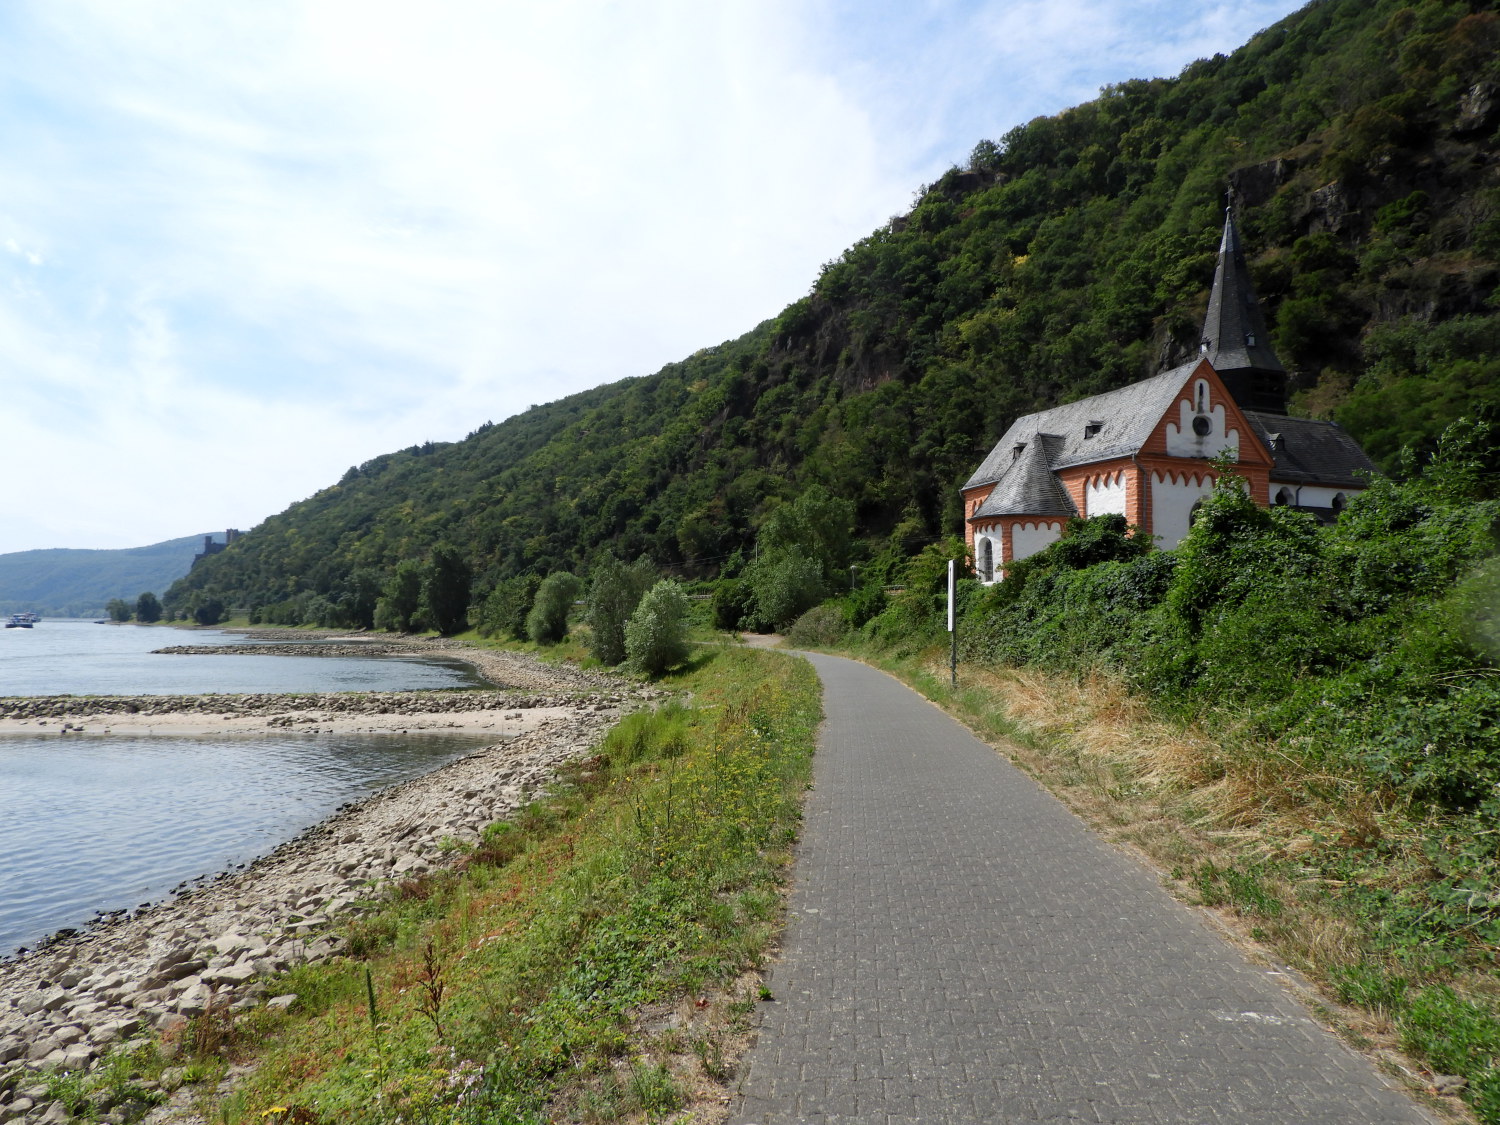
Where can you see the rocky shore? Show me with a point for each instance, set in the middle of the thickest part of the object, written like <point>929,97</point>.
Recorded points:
<point>352,712</point>
<point>133,976</point>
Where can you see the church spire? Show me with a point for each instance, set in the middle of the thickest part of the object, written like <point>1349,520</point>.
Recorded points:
<point>1235,339</point>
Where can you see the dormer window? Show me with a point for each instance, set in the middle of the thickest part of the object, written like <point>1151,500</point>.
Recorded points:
<point>1018,450</point>
<point>1249,339</point>
<point>1276,441</point>
<point>1092,429</point>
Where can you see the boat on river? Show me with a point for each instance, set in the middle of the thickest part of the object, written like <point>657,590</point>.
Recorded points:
<point>22,620</point>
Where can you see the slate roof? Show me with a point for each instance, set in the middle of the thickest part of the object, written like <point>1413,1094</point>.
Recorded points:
<point>1311,452</point>
<point>1030,487</point>
<point>1128,416</point>
<point>1234,316</point>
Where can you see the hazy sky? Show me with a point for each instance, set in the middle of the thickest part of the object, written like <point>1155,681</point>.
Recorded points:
<point>248,245</point>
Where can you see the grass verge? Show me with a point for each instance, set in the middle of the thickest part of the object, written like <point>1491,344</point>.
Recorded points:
<point>1346,883</point>
<point>595,958</point>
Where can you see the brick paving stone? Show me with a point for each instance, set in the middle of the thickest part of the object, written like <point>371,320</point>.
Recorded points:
<point>961,948</point>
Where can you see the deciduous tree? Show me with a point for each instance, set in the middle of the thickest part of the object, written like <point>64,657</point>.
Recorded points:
<point>548,621</point>
<point>147,608</point>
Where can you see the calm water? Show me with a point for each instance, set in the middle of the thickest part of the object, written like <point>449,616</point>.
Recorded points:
<point>108,822</point>
<point>82,658</point>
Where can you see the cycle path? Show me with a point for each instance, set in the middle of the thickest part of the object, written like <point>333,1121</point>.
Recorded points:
<point>962,948</point>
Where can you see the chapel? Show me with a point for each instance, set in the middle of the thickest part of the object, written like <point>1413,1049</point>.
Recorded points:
<point>1146,451</point>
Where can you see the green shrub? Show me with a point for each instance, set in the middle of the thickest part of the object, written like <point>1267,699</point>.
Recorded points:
<point>656,634</point>
<point>820,627</point>
<point>786,584</point>
<point>866,602</point>
<point>614,592</point>
<point>504,610</point>
<point>733,603</point>
<point>547,623</point>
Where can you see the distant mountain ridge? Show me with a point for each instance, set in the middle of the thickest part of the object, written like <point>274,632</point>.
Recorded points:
<point>72,582</point>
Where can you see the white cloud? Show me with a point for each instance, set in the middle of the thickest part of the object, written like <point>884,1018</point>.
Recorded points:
<point>251,245</point>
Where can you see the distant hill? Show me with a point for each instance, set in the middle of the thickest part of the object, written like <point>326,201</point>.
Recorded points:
<point>66,582</point>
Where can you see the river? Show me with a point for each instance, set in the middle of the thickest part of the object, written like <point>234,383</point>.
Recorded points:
<point>100,822</point>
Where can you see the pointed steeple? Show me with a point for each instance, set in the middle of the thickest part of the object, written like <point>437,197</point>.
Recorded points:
<point>1235,339</point>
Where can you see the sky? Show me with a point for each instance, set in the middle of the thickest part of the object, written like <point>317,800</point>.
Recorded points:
<point>246,246</point>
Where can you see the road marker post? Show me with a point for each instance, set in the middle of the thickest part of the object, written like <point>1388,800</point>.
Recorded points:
<point>952,631</point>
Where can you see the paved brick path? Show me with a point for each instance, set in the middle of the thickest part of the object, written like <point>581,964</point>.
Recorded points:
<point>962,948</point>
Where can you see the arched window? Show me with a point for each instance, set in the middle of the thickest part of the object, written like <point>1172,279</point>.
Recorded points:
<point>1284,497</point>
<point>1339,500</point>
<point>1193,512</point>
<point>986,560</point>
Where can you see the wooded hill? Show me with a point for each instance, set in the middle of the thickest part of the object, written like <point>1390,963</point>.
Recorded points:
<point>1071,256</point>
<point>66,582</point>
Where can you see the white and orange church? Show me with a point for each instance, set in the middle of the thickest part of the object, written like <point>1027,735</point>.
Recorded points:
<point>1145,451</point>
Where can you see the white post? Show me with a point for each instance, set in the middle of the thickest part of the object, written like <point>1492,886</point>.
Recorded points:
<point>952,632</point>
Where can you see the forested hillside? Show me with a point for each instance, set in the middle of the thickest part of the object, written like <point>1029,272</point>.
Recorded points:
<point>1071,256</point>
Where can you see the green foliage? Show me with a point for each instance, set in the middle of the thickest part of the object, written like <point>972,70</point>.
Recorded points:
<point>615,589</point>
<point>785,585</point>
<point>866,602</point>
<point>1455,1035</point>
<point>399,608</point>
<point>147,608</point>
<point>207,609</point>
<point>118,609</point>
<point>502,612</point>
<point>356,601</point>
<point>547,623</point>
<point>816,525</point>
<point>1237,551</point>
<point>919,613</point>
<point>445,590</point>
<point>733,603</point>
<point>656,634</point>
<point>823,626</point>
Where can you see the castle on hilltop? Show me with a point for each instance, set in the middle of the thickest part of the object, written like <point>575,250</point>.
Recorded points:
<point>212,547</point>
<point>1146,451</point>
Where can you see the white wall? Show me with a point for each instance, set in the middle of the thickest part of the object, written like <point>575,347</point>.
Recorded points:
<point>1027,539</point>
<point>1105,495</point>
<point>1172,500</point>
<point>1312,495</point>
<point>1184,441</point>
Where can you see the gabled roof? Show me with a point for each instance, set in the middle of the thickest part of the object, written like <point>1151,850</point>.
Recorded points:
<point>1030,487</point>
<point>1308,451</point>
<point>1234,331</point>
<point>1128,416</point>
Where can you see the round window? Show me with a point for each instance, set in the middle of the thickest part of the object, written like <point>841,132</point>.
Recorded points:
<point>1203,425</point>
